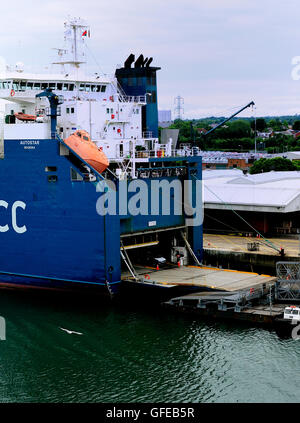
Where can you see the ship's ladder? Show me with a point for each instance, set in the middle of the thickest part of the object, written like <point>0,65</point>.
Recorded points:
<point>128,263</point>
<point>190,249</point>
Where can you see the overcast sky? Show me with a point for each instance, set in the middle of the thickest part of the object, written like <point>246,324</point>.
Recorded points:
<point>217,54</point>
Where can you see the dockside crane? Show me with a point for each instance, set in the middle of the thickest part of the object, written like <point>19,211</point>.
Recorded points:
<point>264,240</point>
<point>230,117</point>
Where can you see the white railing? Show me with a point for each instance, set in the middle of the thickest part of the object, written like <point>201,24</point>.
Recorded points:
<point>133,99</point>
<point>147,134</point>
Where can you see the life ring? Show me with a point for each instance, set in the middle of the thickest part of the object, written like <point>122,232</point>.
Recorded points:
<point>147,276</point>
<point>12,92</point>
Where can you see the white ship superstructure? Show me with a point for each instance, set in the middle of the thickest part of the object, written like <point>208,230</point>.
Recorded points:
<point>95,103</point>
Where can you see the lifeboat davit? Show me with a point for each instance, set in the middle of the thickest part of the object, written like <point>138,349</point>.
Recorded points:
<point>24,116</point>
<point>81,143</point>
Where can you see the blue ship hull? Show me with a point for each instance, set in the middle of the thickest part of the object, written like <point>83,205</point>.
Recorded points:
<point>63,241</point>
<point>51,234</point>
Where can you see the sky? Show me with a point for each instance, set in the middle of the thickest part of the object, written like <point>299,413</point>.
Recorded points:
<point>217,54</point>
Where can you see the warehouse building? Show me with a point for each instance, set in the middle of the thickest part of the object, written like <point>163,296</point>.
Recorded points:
<point>269,202</point>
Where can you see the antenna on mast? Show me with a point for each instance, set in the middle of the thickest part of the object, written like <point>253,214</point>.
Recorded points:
<point>74,53</point>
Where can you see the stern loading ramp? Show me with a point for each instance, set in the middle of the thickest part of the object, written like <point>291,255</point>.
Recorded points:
<point>201,277</point>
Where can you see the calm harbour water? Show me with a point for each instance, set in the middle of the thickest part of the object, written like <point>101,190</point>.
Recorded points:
<point>137,355</point>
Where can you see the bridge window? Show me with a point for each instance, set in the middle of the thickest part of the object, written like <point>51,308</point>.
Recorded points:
<point>71,87</point>
<point>23,86</point>
<point>98,88</point>
<point>37,86</point>
<point>81,87</point>
<point>52,85</point>
<point>29,85</point>
<point>59,86</point>
<point>93,88</point>
<point>16,85</point>
<point>87,88</point>
<point>44,85</point>
<point>103,88</point>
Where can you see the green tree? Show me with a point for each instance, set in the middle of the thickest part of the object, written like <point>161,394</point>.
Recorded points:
<point>276,124</point>
<point>277,163</point>
<point>260,124</point>
<point>296,125</point>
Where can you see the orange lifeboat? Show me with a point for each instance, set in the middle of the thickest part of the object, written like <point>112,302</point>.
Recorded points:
<point>25,117</point>
<point>81,143</point>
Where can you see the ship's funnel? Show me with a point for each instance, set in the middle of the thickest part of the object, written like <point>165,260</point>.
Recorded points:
<point>139,62</point>
<point>128,62</point>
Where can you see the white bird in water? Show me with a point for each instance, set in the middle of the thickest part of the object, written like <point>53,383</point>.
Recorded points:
<point>70,332</point>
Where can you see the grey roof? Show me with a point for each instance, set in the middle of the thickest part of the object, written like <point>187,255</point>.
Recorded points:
<point>271,191</point>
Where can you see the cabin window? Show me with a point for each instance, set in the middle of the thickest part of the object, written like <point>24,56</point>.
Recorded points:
<point>71,87</point>
<point>59,86</point>
<point>65,87</point>
<point>85,138</point>
<point>68,110</point>
<point>72,110</point>
<point>23,111</point>
<point>81,87</point>
<point>136,111</point>
<point>107,110</point>
<point>75,176</point>
<point>103,88</point>
<point>44,85</point>
<point>52,178</point>
<point>111,110</point>
<point>50,169</point>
